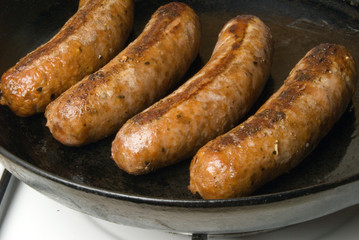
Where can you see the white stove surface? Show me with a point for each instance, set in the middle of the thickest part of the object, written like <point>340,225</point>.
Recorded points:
<point>32,215</point>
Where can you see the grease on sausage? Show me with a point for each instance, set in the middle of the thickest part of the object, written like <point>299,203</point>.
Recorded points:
<point>208,104</point>
<point>282,132</point>
<point>97,106</point>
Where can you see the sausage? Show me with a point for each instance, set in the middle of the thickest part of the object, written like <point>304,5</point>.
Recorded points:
<point>142,73</point>
<point>208,104</point>
<point>282,132</point>
<point>94,35</point>
<point>88,40</point>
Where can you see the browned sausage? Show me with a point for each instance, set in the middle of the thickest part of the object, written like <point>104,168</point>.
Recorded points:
<point>282,132</point>
<point>142,73</point>
<point>208,104</point>
<point>94,35</point>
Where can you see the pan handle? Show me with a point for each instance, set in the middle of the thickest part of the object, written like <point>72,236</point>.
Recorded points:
<point>8,185</point>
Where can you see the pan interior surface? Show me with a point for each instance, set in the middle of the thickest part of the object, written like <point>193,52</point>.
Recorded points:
<point>297,26</point>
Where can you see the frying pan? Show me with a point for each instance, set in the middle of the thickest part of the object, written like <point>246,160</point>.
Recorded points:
<point>87,180</point>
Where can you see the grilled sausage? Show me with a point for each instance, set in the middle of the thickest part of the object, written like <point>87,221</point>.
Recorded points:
<point>282,132</point>
<point>142,73</point>
<point>89,39</point>
<point>208,104</point>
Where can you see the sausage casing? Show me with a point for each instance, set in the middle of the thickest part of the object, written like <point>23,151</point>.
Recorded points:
<point>142,73</point>
<point>88,40</point>
<point>208,104</point>
<point>282,132</point>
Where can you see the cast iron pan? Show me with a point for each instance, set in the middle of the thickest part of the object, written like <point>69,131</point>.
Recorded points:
<point>86,179</point>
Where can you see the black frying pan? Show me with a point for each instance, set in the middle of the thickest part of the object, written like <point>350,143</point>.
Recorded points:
<point>86,179</point>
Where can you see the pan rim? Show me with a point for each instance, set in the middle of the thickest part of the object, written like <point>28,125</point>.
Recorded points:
<point>251,200</point>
